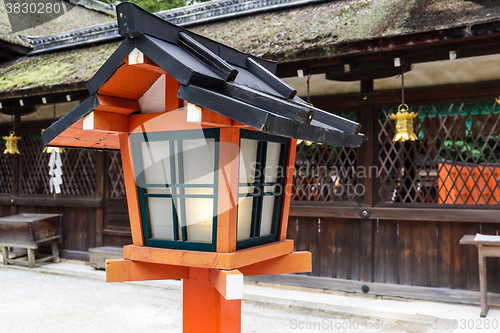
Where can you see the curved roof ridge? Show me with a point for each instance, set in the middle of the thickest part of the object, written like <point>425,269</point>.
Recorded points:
<point>210,11</point>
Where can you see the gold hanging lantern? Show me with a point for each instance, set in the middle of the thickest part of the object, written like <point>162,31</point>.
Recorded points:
<point>307,143</point>
<point>11,143</point>
<point>49,150</point>
<point>404,124</point>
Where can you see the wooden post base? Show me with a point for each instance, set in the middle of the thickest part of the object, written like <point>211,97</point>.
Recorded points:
<point>205,309</point>
<point>211,295</point>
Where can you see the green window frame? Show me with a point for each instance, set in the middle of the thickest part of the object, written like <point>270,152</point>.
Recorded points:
<point>175,191</point>
<point>259,185</point>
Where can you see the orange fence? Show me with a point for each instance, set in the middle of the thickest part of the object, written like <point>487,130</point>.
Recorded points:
<point>462,184</point>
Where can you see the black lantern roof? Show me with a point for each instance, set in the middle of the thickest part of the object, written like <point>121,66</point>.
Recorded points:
<point>216,77</point>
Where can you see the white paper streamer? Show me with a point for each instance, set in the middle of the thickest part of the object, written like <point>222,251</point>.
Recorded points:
<point>55,172</point>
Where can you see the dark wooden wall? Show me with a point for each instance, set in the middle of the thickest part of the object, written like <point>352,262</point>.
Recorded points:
<point>397,243</point>
<point>98,218</point>
<point>417,253</point>
<point>116,231</point>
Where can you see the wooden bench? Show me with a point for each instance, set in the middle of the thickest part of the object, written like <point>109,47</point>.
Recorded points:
<point>30,231</point>
<point>486,248</point>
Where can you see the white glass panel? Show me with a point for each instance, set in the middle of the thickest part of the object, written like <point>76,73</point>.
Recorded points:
<point>161,218</point>
<point>272,169</point>
<point>267,215</point>
<point>244,218</point>
<point>268,189</point>
<point>156,162</point>
<point>248,156</point>
<point>245,189</point>
<point>199,190</point>
<point>158,190</point>
<point>198,161</point>
<point>199,219</point>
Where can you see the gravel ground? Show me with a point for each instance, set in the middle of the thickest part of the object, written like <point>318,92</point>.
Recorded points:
<point>36,302</point>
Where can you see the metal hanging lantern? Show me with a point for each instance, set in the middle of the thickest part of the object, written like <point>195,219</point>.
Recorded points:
<point>404,124</point>
<point>11,143</point>
<point>49,150</point>
<point>404,119</point>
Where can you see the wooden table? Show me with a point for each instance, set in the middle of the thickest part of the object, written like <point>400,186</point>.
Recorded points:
<point>29,231</point>
<point>485,249</point>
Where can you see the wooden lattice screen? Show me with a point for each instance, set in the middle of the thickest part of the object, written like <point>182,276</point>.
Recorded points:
<point>116,183</point>
<point>79,168</point>
<point>325,173</point>
<point>455,161</point>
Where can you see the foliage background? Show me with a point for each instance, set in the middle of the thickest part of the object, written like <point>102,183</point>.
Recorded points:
<point>158,5</point>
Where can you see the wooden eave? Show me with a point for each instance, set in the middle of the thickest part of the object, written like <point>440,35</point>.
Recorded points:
<point>10,51</point>
<point>467,41</point>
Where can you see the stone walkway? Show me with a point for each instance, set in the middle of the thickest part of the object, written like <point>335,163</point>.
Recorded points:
<point>73,297</point>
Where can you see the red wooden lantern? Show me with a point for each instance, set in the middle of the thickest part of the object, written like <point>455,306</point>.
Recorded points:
<point>207,137</point>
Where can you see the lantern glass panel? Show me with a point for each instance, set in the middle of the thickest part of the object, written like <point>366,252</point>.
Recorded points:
<point>156,162</point>
<point>268,212</point>
<point>261,183</point>
<point>176,176</point>
<point>272,169</point>
<point>198,160</point>
<point>245,206</point>
<point>199,219</point>
<point>246,189</point>
<point>248,156</point>
<point>199,190</point>
<point>161,218</point>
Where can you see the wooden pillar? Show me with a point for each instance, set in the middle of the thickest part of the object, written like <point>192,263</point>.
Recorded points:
<point>16,169</point>
<point>16,166</point>
<point>367,153</point>
<point>367,158</point>
<point>205,309</point>
<point>228,189</point>
<point>131,191</point>
<point>100,193</point>
<point>483,288</point>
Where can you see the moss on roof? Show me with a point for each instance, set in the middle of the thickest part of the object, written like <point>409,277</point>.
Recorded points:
<point>76,18</point>
<point>288,35</point>
<point>425,15</point>
<point>289,31</point>
<point>56,68</point>
<point>284,35</point>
